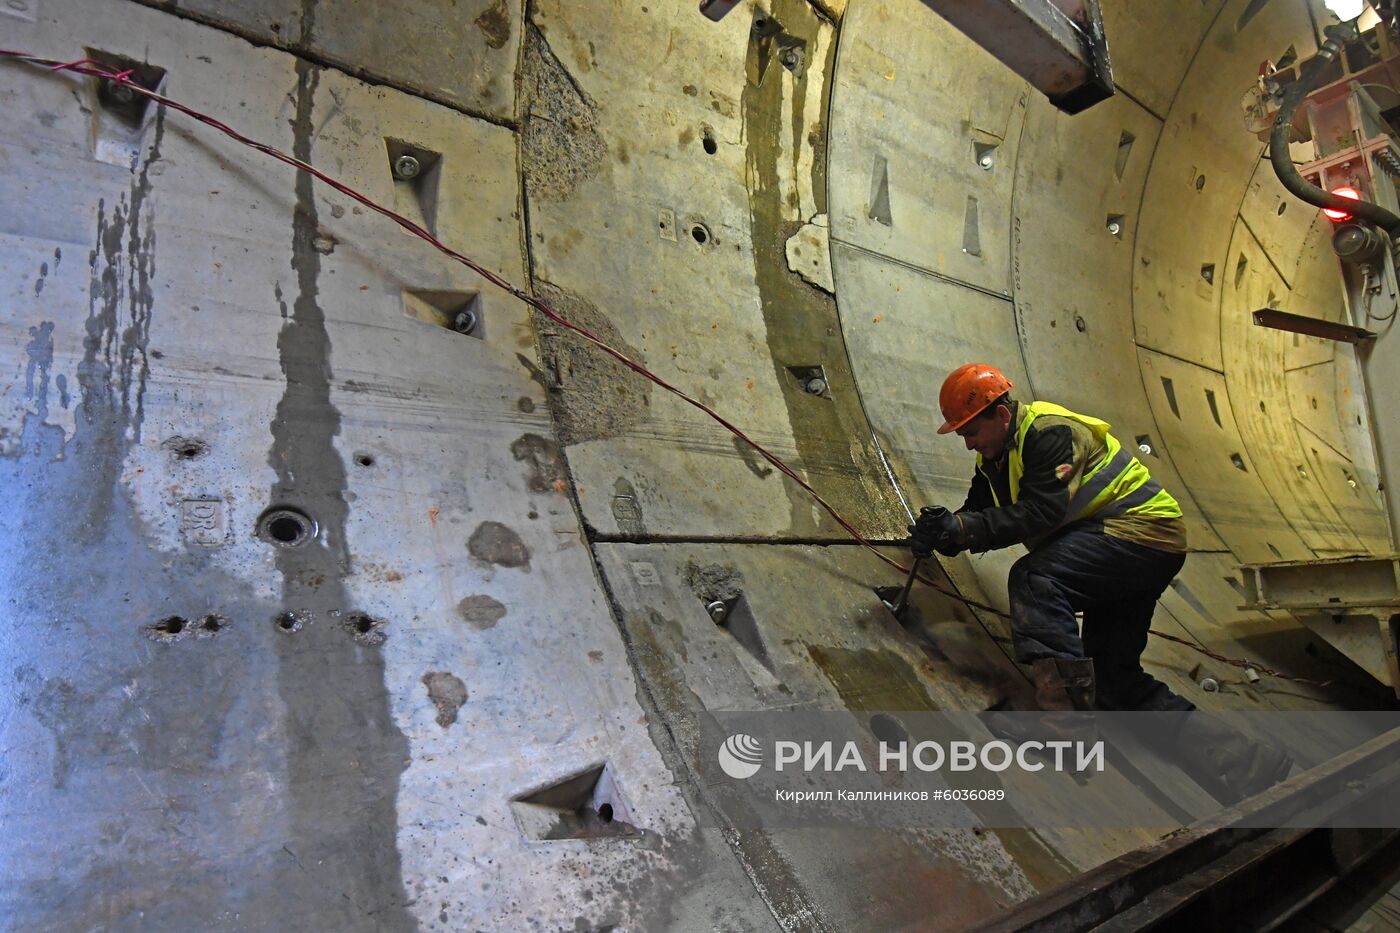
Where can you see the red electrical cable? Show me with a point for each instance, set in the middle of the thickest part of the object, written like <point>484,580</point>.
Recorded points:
<point>96,69</point>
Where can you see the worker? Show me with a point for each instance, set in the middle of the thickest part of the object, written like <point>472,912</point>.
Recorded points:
<point>1104,540</point>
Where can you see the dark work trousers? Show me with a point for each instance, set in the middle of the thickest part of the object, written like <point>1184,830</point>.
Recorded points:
<point>1115,584</point>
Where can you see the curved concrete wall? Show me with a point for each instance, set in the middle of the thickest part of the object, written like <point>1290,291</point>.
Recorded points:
<point>798,191</point>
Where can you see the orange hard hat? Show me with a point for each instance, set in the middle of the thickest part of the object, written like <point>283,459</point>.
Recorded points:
<point>967,390</point>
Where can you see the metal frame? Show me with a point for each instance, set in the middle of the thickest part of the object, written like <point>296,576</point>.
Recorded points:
<point>1221,875</point>
<point>1059,47</point>
<point>1352,603</point>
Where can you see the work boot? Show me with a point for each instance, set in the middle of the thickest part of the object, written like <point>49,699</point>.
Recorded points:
<point>1064,689</point>
<point>1228,764</point>
<point>1063,683</point>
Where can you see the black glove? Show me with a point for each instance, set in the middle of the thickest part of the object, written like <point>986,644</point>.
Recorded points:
<point>936,529</point>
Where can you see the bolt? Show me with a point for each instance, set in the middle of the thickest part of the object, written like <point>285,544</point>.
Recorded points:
<point>816,386</point>
<point>790,58</point>
<point>120,92</point>
<point>717,610</point>
<point>406,167</point>
<point>464,322</point>
<point>1351,482</point>
<point>1115,228</point>
<point>986,160</point>
<point>1210,685</point>
<point>1145,448</point>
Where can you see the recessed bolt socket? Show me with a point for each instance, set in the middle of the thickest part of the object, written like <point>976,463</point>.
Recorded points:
<point>985,153</point>
<point>118,93</point>
<point>812,379</point>
<point>1210,685</point>
<point>464,322</point>
<point>283,526</point>
<point>417,172</point>
<point>407,167</point>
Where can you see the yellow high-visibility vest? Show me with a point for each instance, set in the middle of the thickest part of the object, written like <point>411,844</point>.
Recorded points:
<point>1117,485</point>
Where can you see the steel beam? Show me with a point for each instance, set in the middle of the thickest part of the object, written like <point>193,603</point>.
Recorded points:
<point>1221,875</point>
<point>716,10</point>
<point>1352,603</point>
<point>1311,326</point>
<point>1057,45</point>
<point>1327,585</point>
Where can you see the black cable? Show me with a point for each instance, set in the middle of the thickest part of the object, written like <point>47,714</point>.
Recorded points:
<point>1284,168</point>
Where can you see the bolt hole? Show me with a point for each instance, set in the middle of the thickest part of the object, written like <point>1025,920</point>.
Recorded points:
<point>709,144</point>
<point>888,730</point>
<point>1079,324</point>
<point>1282,206</point>
<point>605,812</point>
<point>211,624</point>
<point>1200,182</point>
<point>286,527</point>
<point>173,625</point>
<point>364,625</point>
<point>365,629</point>
<point>364,460</point>
<point>289,621</point>
<point>700,234</point>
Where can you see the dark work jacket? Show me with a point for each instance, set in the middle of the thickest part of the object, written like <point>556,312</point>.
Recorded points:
<point>1055,453</point>
<point>1043,497</point>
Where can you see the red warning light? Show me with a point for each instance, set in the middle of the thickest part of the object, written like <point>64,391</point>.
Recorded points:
<point>1349,193</point>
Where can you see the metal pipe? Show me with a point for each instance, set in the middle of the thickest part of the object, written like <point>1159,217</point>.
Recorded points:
<point>1282,160</point>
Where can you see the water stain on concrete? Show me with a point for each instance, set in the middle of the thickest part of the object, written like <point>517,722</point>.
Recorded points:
<point>40,353</point>
<point>494,23</point>
<point>753,459</point>
<point>344,752</point>
<point>545,460</point>
<point>481,612</point>
<point>801,323</point>
<point>870,679</point>
<point>447,693</point>
<point>498,544</point>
